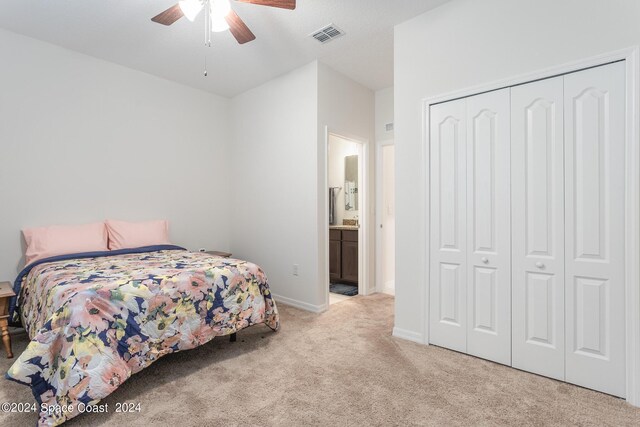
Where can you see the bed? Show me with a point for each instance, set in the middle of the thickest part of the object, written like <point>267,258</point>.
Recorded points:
<point>95,319</point>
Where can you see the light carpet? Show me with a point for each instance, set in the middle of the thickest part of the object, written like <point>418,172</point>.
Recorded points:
<point>339,368</point>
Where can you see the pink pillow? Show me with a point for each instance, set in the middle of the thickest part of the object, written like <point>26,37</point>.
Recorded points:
<point>45,242</point>
<point>123,234</point>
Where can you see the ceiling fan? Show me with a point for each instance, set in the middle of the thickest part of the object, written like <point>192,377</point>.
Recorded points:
<point>220,16</point>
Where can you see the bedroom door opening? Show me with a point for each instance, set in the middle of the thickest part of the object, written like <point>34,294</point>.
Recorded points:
<point>347,217</point>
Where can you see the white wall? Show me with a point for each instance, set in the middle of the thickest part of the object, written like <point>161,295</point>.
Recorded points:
<point>273,173</point>
<point>465,43</point>
<point>279,171</point>
<point>339,148</point>
<point>346,108</point>
<point>384,113</point>
<point>82,140</point>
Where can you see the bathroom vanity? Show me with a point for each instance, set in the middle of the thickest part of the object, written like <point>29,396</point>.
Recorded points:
<point>343,254</point>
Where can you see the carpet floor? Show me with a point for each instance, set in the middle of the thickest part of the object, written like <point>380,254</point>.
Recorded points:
<point>338,368</point>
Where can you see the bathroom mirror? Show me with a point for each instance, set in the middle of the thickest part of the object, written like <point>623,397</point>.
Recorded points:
<point>351,183</point>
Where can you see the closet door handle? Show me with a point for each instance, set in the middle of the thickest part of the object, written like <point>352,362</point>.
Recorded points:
<point>485,260</point>
<point>539,264</point>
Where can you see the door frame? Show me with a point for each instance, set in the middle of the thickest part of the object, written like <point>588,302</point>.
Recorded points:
<point>631,57</point>
<point>380,286</point>
<point>364,276</point>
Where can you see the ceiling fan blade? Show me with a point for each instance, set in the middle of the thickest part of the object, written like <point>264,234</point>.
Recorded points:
<point>284,4</point>
<point>239,29</point>
<point>169,16</point>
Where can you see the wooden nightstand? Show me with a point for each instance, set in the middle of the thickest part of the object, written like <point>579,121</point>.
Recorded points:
<point>6,293</point>
<point>219,253</point>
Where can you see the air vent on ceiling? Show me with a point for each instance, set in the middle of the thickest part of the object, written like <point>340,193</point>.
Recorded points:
<point>327,33</point>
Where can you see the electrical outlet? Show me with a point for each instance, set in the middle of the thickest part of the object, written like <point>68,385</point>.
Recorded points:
<point>203,249</point>
<point>295,269</point>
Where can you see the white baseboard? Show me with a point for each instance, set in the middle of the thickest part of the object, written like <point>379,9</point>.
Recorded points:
<point>299,304</point>
<point>408,335</point>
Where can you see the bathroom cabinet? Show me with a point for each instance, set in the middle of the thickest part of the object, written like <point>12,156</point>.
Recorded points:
<point>343,255</point>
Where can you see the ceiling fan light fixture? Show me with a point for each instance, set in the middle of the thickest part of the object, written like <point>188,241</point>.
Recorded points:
<point>220,8</point>
<point>190,8</point>
<point>219,24</point>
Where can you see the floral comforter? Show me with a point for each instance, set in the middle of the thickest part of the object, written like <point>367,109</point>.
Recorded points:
<point>94,322</point>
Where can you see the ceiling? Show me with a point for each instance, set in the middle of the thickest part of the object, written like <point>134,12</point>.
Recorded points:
<point>121,31</point>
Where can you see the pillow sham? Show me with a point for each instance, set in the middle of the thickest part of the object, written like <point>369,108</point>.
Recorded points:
<point>45,242</point>
<point>125,235</point>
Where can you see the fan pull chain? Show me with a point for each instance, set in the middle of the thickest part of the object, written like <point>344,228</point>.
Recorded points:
<point>207,24</point>
<point>207,32</point>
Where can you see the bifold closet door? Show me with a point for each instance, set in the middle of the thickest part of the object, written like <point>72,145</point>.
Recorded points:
<point>527,200</point>
<point>594,117</point>
<point>537,206</point>
<point>470,256</point>
<point>488,227</point>
<point>447,277</point>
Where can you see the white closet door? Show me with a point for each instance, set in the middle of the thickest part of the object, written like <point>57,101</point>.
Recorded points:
<point>447,303</point>
<point>488,227</point>
<point>537,203</point>
<point>594,103</point>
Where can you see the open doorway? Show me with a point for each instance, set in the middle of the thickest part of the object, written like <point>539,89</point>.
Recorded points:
<point>345,178</point>
<point>385,218</point>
